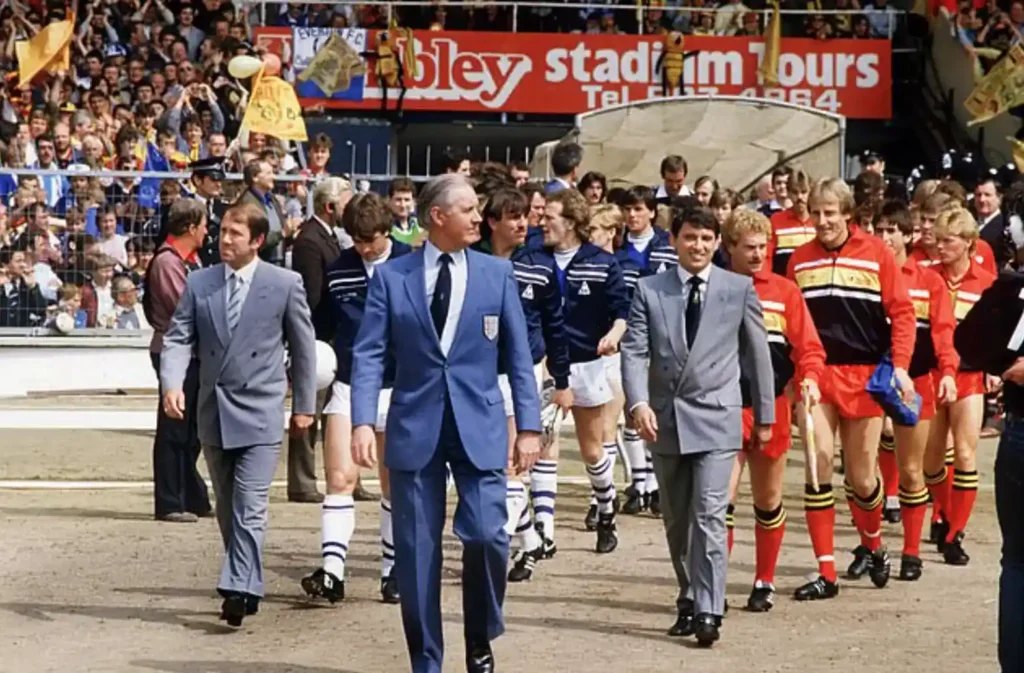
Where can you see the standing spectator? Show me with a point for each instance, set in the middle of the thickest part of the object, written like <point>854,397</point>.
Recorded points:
<point>258,177</point>
<point>180,494</point>
<point>565,162</point>
<point>52,184</point>
<point>455,161</point>
<point>111,242</point>
<point>402,198</point>
<point>520,173</point>
<point>316,248</point>
<point>21,301</point>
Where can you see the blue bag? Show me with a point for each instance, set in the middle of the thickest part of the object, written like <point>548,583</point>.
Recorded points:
<point>883,389</point>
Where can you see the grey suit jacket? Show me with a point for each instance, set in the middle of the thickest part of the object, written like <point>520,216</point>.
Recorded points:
<point>696,393</point>
<point>242,379</point>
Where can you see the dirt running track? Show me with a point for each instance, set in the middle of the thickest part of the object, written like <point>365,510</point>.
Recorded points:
<point>88,582</point>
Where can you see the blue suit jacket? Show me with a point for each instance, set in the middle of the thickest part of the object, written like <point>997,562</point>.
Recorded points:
<point>397,321</point>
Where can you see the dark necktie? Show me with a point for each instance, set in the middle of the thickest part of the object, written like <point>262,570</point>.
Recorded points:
<point>442,294</point>
<point>693,306</point>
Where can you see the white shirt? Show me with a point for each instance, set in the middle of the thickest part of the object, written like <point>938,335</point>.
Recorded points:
<point>685,276</point>
<point>564,257</point>
<point>460,275</point>
<point>244,275</point>
<point>662,193</point>
<point>372,265</point>
<point>642,241</point>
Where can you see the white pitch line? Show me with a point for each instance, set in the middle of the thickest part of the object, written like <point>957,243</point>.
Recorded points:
<point>41,485</point>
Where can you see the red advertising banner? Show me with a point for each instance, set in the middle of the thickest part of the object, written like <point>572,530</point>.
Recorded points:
<point>466,71</point>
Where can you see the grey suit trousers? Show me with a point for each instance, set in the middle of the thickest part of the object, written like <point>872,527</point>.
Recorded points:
<point>302,452</point>
<point>241,484</point>
<point>694,492</point>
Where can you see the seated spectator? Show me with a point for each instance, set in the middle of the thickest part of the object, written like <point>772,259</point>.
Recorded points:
<point>818,28</point>
<point>402,199</point>
<point>881,17</point>
<point>22,303</point>
<point>70,302</point>
<point>861,28</point>
<point>128,313</point>
<point>97,298</point>
<point>110,242</point>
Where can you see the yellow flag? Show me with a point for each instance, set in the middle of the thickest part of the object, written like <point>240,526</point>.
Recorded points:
<point>1001,89</point>
<point>772,45</point>
<point>274,109</point>
<point>49,50</point>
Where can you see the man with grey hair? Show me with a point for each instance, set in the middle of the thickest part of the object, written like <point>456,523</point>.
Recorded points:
<point>316,248</point>
<point>446,408</point>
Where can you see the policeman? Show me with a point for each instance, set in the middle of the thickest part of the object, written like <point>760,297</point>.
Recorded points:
<point>205,186</point>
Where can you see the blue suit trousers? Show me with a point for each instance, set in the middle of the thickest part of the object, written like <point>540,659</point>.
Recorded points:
<point>419,509</point>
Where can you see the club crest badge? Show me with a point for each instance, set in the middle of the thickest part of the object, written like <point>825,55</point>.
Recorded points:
<point>491,327</point>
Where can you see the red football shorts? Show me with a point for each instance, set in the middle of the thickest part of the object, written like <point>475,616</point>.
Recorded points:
<point>927,387</point>
<point>842,386</point>
<point>781,431</point>
<point>968,383</point>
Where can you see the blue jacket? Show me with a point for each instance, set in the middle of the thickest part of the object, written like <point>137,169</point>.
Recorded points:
<point>542,305</point>
<point>658,256</point>
<point>534,238</point>
<point>595,296</point>
<point>347,283</point>
<point>397,322</point>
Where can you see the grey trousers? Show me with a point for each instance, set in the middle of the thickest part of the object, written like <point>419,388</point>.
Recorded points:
<point>241,484</point>
<point>302,453</point>
<point>694,492</point>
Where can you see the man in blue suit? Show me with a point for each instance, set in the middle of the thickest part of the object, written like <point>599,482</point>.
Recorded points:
<point>446,407</point>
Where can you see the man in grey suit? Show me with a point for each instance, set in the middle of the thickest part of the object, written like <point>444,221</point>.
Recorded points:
<point>237,316</point>
<point>690,333</point>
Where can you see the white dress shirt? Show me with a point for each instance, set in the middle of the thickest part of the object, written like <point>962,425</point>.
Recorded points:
<point>244,276</point>
<point>460,275</point>
<point>685,276</point>
<point>372,265</point>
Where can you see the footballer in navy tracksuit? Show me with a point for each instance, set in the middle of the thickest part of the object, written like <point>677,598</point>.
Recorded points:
<point>505,233</point>
<point>367,219</point>
<point>646,250</point>
<point>596,304</point>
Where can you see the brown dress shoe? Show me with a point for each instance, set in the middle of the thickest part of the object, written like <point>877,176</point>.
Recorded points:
<point>314,497</point>
<point>362,495</point>
<point>178,517</point>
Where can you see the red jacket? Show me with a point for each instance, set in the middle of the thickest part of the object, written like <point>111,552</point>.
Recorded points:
<point>792,338</point>
<point>857,299</point>
<point>788,233</point>
<point>933,310</point>
<point>983,255</point>
<point>965,292</point>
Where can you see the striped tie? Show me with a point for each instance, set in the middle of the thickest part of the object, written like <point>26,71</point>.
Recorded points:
<point>234,302</point>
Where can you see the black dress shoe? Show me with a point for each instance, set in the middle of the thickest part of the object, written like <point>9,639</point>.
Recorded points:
<point>314,497</point>
<point>232,610</point>
<point>252,605</point>
<point>654,504</point>
<point>389,590</point>
<point>706,629</point>
<point>684,622</point>
<point>479,658</point>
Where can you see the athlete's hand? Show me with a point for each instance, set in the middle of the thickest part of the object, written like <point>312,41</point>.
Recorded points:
<point>527,451</point>
<point>905,383</point>
<point>608,345</point>
<point>947,390</point>
<point>174,404</point>
<point>1015,374</point>
<point>364,446</point>
<point>809,392</point>
<point>761,435</point>
<point>646,422</point>
<point>564,399</point>
<point>992,383</point>
<point>300,423</point>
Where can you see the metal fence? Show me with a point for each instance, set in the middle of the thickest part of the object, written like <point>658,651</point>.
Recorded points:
<point>541,16</point>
